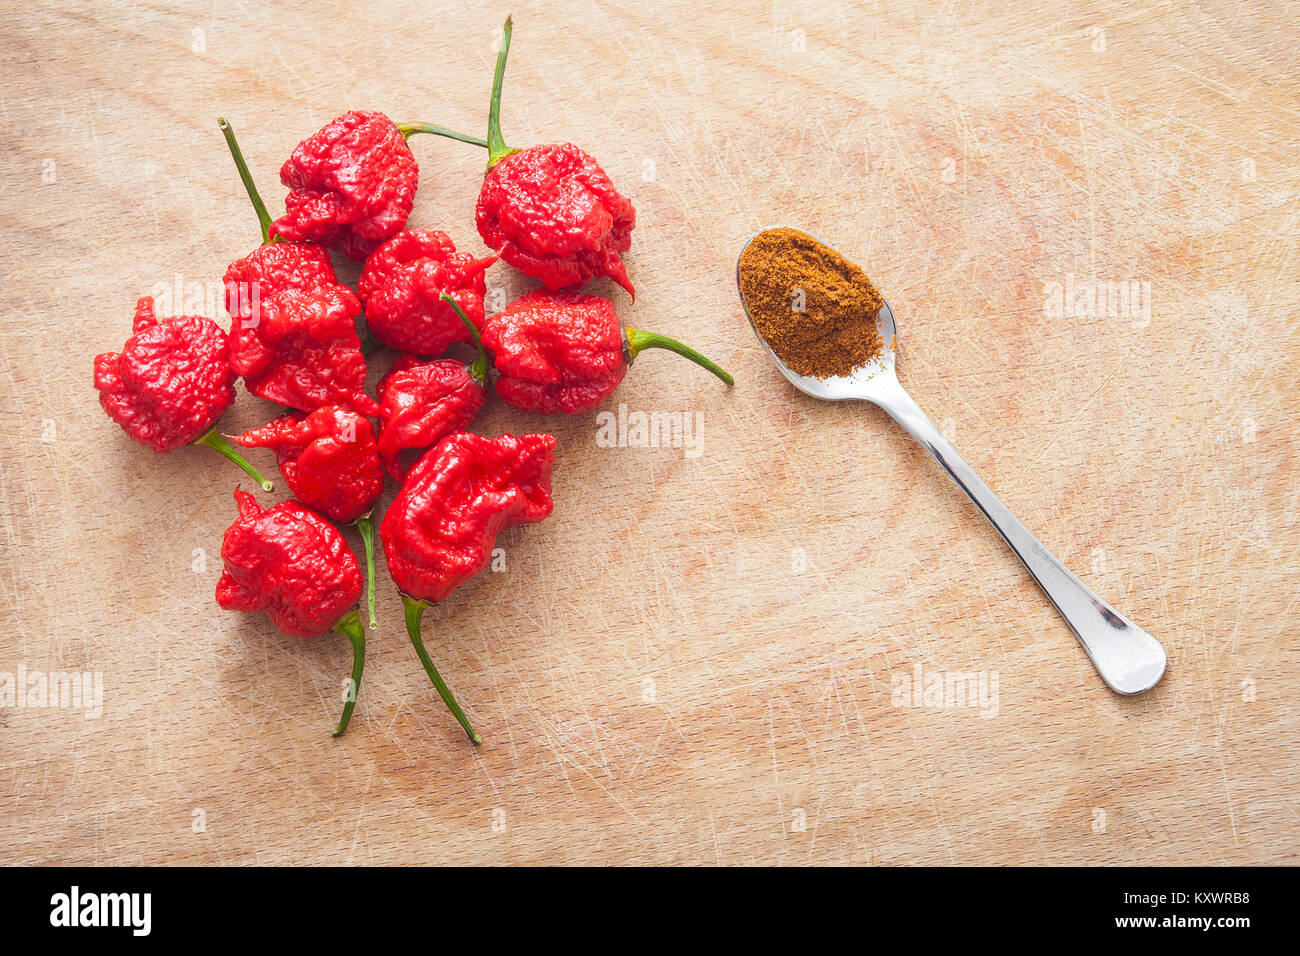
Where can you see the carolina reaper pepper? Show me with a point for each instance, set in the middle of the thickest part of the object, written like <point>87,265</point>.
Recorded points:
<point>550,210</point>
<point>352,183</point>
<point>170,384</point>
<point>567,352</point>
<point>422,402</point>
<point>439,531</point>
<point>293,333</point>
<point>304,351</point>
<point>274,266</point>
<point>331,462</point>
<point>404,286</point>
<point>293,564</point>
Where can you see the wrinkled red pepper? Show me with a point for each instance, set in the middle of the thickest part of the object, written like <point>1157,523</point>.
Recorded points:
<point>303,351</point>
<point>555,215</point>
<point>170,384</point>
<point>352,183</point>
<point>274,266</point>
<point>403,285</point>
<point>293,333</point>
<point>420,403</point>
<point>293,564</point>
<point>567,352</point>
<point>331,462</point>
<point>439,531</point>
<point>328,457</point>
<point>550,210</point>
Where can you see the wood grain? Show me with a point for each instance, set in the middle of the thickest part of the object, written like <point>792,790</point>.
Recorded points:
<point>694,660</point>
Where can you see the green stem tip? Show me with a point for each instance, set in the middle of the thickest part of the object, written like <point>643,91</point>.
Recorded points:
<point>496,144</point>
<point>350,627</point>
<point>411,129</point>
<point>263,217</point>
<point>636,341</point>
<point>480,367</point>
<point>214,440</point>
<point>366,528</point>
<point>414,612</point>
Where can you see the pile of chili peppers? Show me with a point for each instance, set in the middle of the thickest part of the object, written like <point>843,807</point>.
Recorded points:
<point>549,211</point>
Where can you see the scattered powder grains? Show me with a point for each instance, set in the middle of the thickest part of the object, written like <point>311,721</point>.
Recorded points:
<point>814,308</point>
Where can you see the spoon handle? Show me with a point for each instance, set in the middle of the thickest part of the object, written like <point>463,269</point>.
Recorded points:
<point>1128,658</point>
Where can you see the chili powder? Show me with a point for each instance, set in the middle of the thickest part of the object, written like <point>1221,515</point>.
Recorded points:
<point>814,308</point>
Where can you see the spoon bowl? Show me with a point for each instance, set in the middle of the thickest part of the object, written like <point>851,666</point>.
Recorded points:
<point>1128,659</point>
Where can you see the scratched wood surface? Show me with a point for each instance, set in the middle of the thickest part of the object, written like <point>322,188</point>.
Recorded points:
<point>699,657</point>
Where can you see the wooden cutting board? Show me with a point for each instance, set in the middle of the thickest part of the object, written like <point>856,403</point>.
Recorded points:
<point>707,653</point>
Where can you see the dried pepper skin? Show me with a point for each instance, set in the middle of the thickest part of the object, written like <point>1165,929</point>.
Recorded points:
<point>555,215</point>
<point>351,185</point>
<point>302,350</point>
<point>420,403</point>
<point>439,531</point>
<point>329,459</point>
<point>401,288</point>
<point>557,351</point>
<point>272,268</point>
<point>171,381</point>
<point>289,562</point>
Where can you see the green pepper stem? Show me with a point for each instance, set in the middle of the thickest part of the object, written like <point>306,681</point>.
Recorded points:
<point>410,129</point>
<point>217,443</point>
<point>263,217</point>
<point>350,627</point>
<point>480,367</point>
<point>637,341</point>
<point>415,611</point>
<point>496,144</point>
<point>366,528</point>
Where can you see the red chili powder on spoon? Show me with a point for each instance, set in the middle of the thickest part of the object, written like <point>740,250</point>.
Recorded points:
<point>814,308</point>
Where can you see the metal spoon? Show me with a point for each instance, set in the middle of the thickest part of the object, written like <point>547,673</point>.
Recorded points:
<point>1128,659</point>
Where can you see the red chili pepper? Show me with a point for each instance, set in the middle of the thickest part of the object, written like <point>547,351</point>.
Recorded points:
<point>352,184</point>
<point>328,457</point>
<point>302,350</point>
<point>331,463</point>
<point>551,210</point>
<point>403,285</point>
<point>439,531</point>
<point>567,352</point>
<point>170,384</point>
<point>293,335</point>
<point>274,266</point>
<point>293,564</point>
<point>420,403</point>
